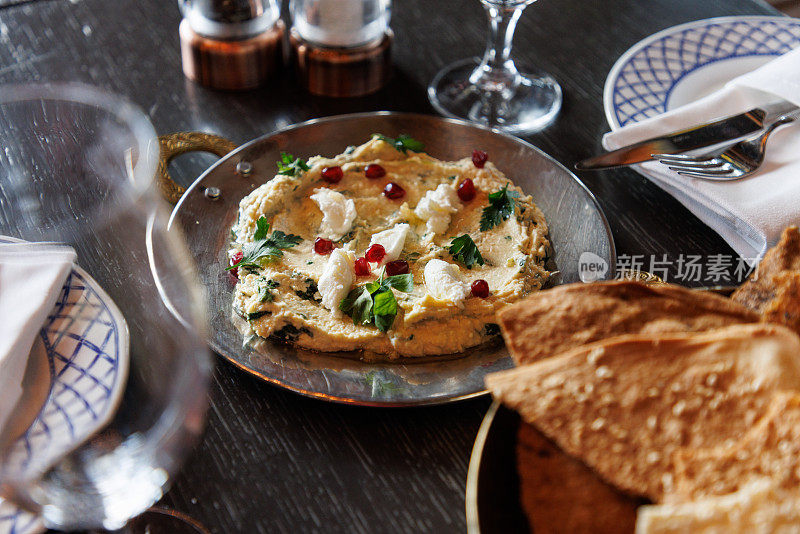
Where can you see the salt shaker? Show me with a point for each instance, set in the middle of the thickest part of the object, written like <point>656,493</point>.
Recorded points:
<point>342,48</point>
<point>231,44</point>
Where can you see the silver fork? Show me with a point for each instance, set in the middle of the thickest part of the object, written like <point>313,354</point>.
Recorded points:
<point>730,163</point>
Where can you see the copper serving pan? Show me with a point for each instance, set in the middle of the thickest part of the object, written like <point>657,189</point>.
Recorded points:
<point>208,208</point>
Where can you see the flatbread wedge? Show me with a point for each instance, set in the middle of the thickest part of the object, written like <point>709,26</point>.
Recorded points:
<point>568,316</point>
<point>773,290</point>
<point>770,449</point>
<point>784,256</point>
<point>626,404</point>
<point>758,508</point>
<point>559,493</point>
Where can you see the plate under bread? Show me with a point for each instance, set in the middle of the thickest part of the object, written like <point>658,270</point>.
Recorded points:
<point>577,226</point>
<point>493,492</point>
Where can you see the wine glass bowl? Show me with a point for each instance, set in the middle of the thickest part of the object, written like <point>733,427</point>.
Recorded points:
<point>491,90</point>
<point>77,168</point>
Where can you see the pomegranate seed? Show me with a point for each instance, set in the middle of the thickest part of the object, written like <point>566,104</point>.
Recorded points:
<point>396,267</point>
<point>374,170</point>
<point>479,158</point>
<point>332,174</point>
<point>393,191</point>
<point>362,267</point>
<point>323,246</point>
<point>480,289</point>
<point>236,258</point>
<point>375,253</point>
<point>466,190</point>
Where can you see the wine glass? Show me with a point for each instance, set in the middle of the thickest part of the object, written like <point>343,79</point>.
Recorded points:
<point>491,91</point>
<point>77,167</point>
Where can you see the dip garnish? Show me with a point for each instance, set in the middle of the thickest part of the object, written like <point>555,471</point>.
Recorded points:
<point>235,259</point>
<point>323,246</point>
<point>374,171</point>
<point>374,302</point>
<point>264,291</point>
<point>464,249</point>
<point>361,267</point>
<point>466,190</point>
<point>501,207</point>
<point>479,158</point>
<point>397,267</point>
<point>393,191</point>
<point>480,289</point>
<point>332,175</point>
<point>291,166</point>
<point>403,143</point>
<point>375,253</point>
<point>263,247</point>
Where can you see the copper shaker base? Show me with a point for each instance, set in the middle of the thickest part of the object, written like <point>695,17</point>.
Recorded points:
<point>231,64</point>
<point>342,72</point>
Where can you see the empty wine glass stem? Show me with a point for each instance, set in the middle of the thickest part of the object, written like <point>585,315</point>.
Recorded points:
<point>497,72</point>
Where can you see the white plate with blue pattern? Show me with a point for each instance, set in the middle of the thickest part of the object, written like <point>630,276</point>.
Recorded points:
<point>687,62</point>
<point>83,351</point>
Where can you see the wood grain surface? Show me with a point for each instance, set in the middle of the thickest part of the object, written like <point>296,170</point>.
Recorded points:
<point>272,461</point>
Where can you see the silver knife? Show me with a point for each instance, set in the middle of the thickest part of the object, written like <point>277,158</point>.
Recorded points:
<point>728,129</point>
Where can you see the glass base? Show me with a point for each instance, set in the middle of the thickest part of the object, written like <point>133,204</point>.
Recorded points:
<point>161,521</point>
<point>532,105</point>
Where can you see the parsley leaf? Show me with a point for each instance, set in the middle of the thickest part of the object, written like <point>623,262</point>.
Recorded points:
<point>384,308</point>
<point>264,293</point>
<point>280,240</point>
<point>409,143</point>
<point>358,305</point>
<point>401,282</point>
<point>374,302</point>
<point>501,207</point>
<point>372,287</point>
<point>403,143</point>
<point>291,166</point>
<point>263,247</point>
<point>310,291</point>
<point>384,303</point>
<point>464,249</point>
<point>262,228</point>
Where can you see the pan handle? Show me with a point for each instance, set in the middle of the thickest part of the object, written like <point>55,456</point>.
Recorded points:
<point>173,145</point>
<point>641,276</point>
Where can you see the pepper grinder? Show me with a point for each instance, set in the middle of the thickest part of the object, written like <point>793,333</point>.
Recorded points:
<point>341,48</point>
<point>231,44</point>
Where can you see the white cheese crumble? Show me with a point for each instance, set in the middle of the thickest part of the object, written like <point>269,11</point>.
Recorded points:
<point>336,279</point>
<point>392,241</point>
<point>437,206</point>
<point>338,212</point>
<point>441,279</point>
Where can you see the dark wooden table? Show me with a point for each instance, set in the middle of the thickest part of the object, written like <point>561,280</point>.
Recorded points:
<point>273,461</point>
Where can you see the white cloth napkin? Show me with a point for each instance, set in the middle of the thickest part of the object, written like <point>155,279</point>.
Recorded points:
<point>31,278</point>
<point>751,213</point>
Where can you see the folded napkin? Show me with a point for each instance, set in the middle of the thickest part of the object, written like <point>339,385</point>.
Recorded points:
<point>31,278</point>
<point>749,213</point>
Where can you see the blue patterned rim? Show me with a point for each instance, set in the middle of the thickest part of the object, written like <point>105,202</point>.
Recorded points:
<point>85,339</point>
<point>641,81</point>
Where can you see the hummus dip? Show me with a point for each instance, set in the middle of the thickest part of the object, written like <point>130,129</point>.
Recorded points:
<point>326,217</point>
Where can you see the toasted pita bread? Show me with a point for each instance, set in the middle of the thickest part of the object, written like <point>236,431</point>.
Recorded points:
<point>553,321</point>
<point>758,508</point>
<point>784,305</point>
<point>770,449</point>
<point>784,256</point>
<point>773,290</point>
<point>625,405</point>
<point>560,494</point>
